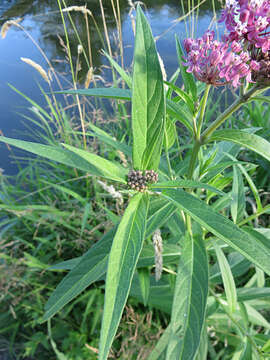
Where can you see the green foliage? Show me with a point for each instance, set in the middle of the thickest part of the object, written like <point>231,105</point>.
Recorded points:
<point>126,248</point>
<point>148,108</point>
<point>189,303</point>
<point>195,226</point>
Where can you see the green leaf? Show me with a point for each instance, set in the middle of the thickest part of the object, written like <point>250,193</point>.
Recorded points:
<point>86,213</point>
<point>227,277</point>
<point>120,70</point>
<point>245,294</point>
<point>125,252</point>
<point>203,348</point>
<point>246,353</point>
<point>189,184</point>
<point>144,278</point>
<point>255,317</point>
<point>170,254</point>
<point>109,140</point>
<point>160,296</point>
<point>238,196</point>
<point>250,182</point>
<point>59,354</point>
<point>188,79</point>
<point>148,100</point>
<point>177,112</point>
<point>160,210</point>
<point>104,167</point>
<point>260,98</point>
<point>79,159</point>
<point>239,265</point>
<point>266,346</point>
<point>254,248</point>
<point>250,141</point>
<point>66,265</point>
<point>66,190</point>
<point>91,266</point>
<point>189,303</point>
<point>183,95</point>
<point>110,93</point>
<point>170,134</point>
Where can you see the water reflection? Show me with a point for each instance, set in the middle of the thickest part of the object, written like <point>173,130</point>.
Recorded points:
<point>45,17</point>
<point>42,20</point>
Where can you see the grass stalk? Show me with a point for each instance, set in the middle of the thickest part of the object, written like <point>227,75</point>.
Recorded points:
<point>72,73</point>
<point>106,35</point>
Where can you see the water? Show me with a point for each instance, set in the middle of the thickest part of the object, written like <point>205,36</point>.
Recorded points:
<point>43,22</point>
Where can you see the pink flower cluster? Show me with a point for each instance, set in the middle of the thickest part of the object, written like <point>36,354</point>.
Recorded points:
<point>215,63</point>
<point>244,52</point>
<point>248,21</point>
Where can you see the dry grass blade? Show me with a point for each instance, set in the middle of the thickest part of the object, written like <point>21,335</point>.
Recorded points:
<point>82,9</point>
<point>89,77</point>
<point>7,25</point>
<point>176,21</point>
<point>158,247</point>
<point>38,67</point>
<point>111,190</point>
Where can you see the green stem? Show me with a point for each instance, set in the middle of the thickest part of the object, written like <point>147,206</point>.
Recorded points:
<point>169,164</point>
<point>194,155</point>
<point>228,112</point>
<point>254,216</point>
<point>167,155</point>
<point>197,131</point>
<point>202,110</point>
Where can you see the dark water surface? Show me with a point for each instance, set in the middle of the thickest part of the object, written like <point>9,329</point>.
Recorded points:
<point>43,21</point>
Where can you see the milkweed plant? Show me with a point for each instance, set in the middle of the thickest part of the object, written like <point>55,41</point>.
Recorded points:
<point>185,188</point>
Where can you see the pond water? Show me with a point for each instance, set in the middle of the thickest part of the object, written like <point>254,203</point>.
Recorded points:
<point>42,21</point>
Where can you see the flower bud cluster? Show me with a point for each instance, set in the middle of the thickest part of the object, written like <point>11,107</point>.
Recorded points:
<point>138,180</point>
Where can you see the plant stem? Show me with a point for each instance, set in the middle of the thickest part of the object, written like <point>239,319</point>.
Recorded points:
<point>254,216</point>
<point>228,112</point>
<point>194,155</point>
<point>169,164</point>
<point>197,131</point>
<point>202,111</point>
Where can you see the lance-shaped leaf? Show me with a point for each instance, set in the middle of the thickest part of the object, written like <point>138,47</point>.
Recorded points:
<point>188,79</point>
<point>110,93</point>
<point>90,267</point>
<point>250,141</point>
<point>185,184</point>
<point>238,196</point>
<point>169,134</point>
<point>93,164</point>
<point>189,303</point>
<point>122,72</point>
<point>104,167</point>
<point>160,211</point>
<point>125,251</point>
<point>227,277</point>
<point>254,248</point>
<point>148,100</point>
